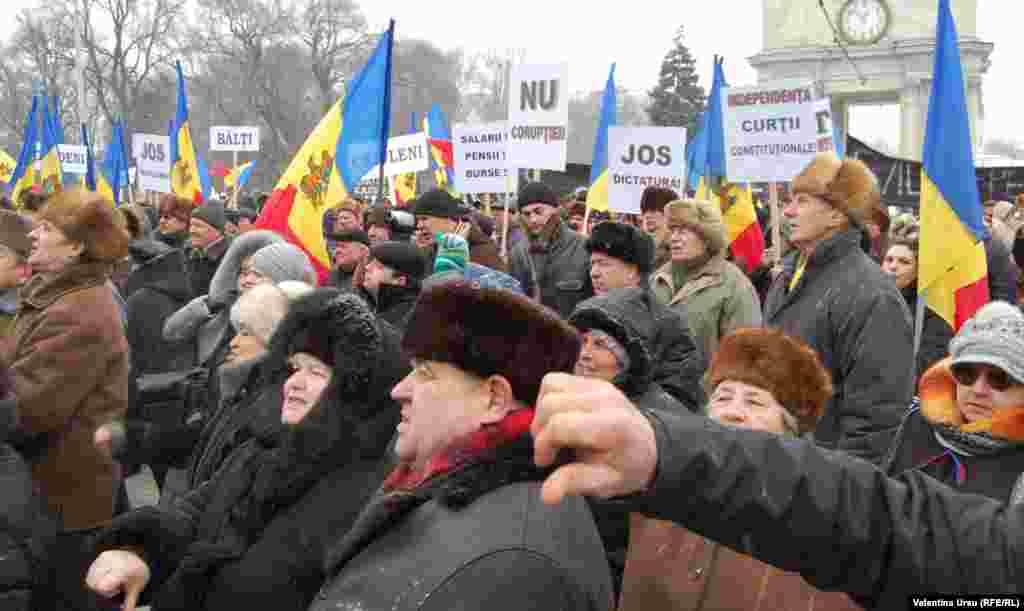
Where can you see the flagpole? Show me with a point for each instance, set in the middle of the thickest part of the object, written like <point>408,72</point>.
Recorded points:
<point>918,332</point>
<point>773,202</point>
<point>386,115</point>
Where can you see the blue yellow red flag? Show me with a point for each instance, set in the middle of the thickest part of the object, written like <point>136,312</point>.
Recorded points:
<point>7,165</point>
<point>597,193</point>
<point>186,177</point>
<point>110,179</point>
<point>239,175</point>
<point>404,185</point>
<point>24,176</point>
<point>953,275</point>
<point>439,139</point>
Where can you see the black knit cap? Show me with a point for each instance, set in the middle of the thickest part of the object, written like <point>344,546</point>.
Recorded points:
<point>537,193</point>
<point>352,235</point>
<point>439,204</point>
<point>212,213</point>
<point>623,242</point>
<point>403,257</point>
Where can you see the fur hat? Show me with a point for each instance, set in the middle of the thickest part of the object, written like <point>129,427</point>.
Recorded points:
<point>32,201</point>
<point>781,364</point>
<point>135,221</point>
<point>176,207</point>
<point>339,329</point>
<point>261,309</point>
<point>455,323</point>
<point>623,242</point>
<point>702,216</point>
<point>14,230</point>
<point>847,184</point>
<point>212,213</point>
<point>536,193</point>
<point>88,218</point>
<point>440,204</point>
<point>654,199</point>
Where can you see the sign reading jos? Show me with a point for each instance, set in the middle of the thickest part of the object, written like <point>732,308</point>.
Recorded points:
<point>153,162</point>
<point>480,153</point>
<point>641,157</point>
<point>72,158</point>
<point>230,138</point>
<point>538,116</point>
<point>771,131</point>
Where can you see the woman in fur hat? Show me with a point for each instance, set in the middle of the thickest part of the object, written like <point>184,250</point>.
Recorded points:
<point>255,536</point>
<point>714,295</point>
<point>69,361</point>
<point>833,296</point>
<point>968,428</point>
<point>762,380</point>
<point>459,522</point>
<point>900,263</point>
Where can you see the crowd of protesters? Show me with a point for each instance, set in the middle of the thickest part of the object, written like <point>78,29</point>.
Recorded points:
<point>188,421</point>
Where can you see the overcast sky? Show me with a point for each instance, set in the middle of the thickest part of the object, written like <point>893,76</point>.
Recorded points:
<point>637,33</point>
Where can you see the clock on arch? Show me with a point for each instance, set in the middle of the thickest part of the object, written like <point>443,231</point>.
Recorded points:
<point>864,22</point>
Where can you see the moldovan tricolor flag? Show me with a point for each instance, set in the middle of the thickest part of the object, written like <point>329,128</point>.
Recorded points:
<point>404,185</point>
<point>185,173</point>
<point>439,138</point>
<point>952,273</point>
<point>7,165</point>
<point>239,175</point>
<point>24,176</point>
<point>349,141</point>
<point>706,159</point>
<point>597,193</point>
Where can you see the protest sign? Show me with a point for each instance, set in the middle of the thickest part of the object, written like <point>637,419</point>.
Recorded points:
<point>234,138</point>
<point>771,131</point>
<point>72,158</point>
<point>823,124</point>
<point>538,116</point>
<point>405,154</point>
<point>641,157</point>
<point>480,153</point>
<point>153,162</point>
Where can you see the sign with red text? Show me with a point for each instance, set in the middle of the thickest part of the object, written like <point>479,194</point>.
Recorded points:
<point>538,116</point>
<point>641,157</point>
<point>480,153</point>
<point>771,130</point>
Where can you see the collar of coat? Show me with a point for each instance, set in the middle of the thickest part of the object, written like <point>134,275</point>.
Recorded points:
<point>824,253</point>
<point>709,274</point>
<point>937,389</point>
<point>44,289</point>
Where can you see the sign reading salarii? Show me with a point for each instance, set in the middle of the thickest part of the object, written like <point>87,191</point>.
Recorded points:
<point>480,153</point>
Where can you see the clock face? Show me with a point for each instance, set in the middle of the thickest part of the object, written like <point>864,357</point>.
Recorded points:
<point>864,22</point>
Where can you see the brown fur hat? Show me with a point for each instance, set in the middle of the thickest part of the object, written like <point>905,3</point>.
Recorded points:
<point>781,364</point>
<point>134,221</point>
<point>702,216</point>
<point>847,184</point>
<point>352,205</point>
<point>654,199</point>
<point>88,218</point>
<point>455,323</point>
<point>176,207</point>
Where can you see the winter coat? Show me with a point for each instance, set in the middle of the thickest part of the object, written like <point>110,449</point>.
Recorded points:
<point>1002,283</point>
<point>8,310</point>
<point>716,300</point>
<point>839,522</point>
<point>174,240</point>
<point>678,364</point>
<point>25,529</point>
<point>70,366</point>
<point>559,273</point>
<point>478,538</point>
<point>853,315</point>
<point>935,333</point>
<point>256,534</point>
<point>203,264</point>
<point>156,289</point>
<point>340,279</point>
<point>395,304</point>
<point>629,316</point>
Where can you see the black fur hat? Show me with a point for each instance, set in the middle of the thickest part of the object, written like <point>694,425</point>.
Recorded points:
<point>654,199</point>
<point>624,242</point>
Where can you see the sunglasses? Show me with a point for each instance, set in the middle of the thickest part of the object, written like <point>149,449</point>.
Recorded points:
<point>968,373</point>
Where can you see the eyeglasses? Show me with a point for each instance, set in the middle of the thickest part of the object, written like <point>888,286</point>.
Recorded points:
<point>967,374</point>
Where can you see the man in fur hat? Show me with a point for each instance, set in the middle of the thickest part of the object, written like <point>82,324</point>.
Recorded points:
<point>835,298</point>
<point>552,264</point>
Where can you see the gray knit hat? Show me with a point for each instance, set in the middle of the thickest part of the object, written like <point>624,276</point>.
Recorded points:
<point>282,261</point>
<point>995,336</point>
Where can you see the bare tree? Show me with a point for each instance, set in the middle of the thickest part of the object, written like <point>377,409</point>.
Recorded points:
<point>422,75</point>
<point>334,34</point>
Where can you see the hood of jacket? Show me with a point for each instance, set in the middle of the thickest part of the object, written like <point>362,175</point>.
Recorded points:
<point>160,268</point>
<point>225,279</point>
<point>628,316</point>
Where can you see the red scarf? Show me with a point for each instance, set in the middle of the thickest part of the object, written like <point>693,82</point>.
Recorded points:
<point>462,451</point>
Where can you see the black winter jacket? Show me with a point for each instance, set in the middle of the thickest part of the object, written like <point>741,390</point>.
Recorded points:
<point>561,273</point>
<point>157,288</point>
<point>1002,285</point>
<point>853,315</point>
<point>395,304</point>
<point>935,333</point>
<point>838,521</point>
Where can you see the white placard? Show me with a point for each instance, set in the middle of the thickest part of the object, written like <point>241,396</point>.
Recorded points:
<point>72,158</point>
<point>538,116</point>
<point>234,138</point>
<point>480,153</point>
<point>641,157</point>
<point>770,131</point>
<point>406,154</point>
<point>823,125</point>
<point>153,162</point>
